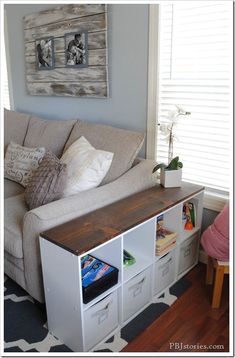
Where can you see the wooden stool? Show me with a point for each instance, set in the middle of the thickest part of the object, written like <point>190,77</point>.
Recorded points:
<point>221,268</point>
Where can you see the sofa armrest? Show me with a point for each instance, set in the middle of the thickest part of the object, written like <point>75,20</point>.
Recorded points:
<point>136,179</point>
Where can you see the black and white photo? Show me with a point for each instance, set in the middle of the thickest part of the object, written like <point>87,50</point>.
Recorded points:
<point>76,49</point>
<point>44,53</point>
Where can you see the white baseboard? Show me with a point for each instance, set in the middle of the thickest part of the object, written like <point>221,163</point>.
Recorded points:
<point>203,256</point>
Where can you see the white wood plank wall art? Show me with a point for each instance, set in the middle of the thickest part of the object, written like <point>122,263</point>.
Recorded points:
<point>66,51</point>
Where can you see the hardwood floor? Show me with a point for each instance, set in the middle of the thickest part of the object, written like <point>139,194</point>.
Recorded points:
<point>190,324</point>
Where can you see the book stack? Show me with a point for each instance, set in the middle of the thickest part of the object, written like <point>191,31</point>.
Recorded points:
<point>166,239</point>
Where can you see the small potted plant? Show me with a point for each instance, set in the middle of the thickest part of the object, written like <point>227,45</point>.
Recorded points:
<point>171,174</point>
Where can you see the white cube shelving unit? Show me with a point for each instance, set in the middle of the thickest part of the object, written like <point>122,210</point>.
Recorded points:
<point>82,327</point>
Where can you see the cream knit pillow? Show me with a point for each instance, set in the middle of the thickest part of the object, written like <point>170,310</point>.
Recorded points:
<point>86,166</point>
<point>20,162</point>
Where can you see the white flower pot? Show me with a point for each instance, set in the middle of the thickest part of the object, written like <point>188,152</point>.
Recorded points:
<point>171,178</point>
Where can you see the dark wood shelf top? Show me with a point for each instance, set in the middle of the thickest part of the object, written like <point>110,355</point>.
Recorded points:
<point>93,229</point>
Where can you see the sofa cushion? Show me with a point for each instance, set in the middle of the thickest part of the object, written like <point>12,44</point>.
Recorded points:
<point>124,144</point>
<point>86,166</point>
<point>20,162</point>
<point>51,134</point>
<point>15,127</point>
<point>14,272</point>
<point>47,182</point>
<point>12,188</point>
<point>19,263</point>
<point>14,211</point>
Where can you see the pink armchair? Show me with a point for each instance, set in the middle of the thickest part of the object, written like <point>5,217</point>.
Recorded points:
<point>215,239</point>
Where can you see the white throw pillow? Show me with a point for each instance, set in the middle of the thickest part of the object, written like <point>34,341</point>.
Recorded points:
<point>20,162</point>
<point>86,166</point>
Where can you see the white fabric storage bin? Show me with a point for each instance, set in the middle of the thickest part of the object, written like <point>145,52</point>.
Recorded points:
<point>188,253</point>
<point>100,320</point>
<point>164,271</point>
<point>136,293</point>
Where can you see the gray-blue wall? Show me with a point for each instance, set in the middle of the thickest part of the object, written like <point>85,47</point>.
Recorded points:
<point>128,53</point>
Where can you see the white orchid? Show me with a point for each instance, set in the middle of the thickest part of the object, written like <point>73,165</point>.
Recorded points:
<point>178,112</point>
<point>167,128</point>
<point>164,129</point>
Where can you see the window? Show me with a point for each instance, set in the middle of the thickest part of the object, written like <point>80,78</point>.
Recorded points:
<point>195,72</point>
<point>5,88</point>
<point>5,94</point>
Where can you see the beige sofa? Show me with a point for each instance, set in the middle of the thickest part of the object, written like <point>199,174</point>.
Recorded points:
<point>22,227</point>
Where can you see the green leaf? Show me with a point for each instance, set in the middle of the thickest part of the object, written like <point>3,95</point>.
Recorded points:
<point>159,166</point>
<point>174,164</point>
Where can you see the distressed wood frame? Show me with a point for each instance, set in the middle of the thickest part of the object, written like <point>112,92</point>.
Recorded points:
<point>75,81</point>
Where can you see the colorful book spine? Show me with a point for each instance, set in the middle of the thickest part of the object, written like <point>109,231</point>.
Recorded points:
<point>189,216</point>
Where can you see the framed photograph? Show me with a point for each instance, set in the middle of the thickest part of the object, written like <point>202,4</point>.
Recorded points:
<point>45,59</point>
<point>76,49</point>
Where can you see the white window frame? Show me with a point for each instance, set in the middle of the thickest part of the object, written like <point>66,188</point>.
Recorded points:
<point>6,41</point>
<point>212,200</point>
<point>153,66</point>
